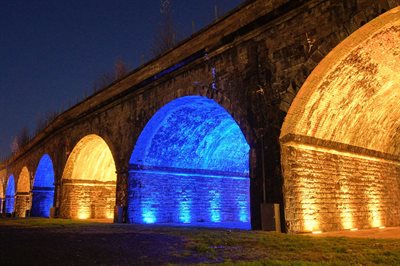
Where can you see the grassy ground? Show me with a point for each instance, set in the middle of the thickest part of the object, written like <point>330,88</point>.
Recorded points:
<point>65,242</point>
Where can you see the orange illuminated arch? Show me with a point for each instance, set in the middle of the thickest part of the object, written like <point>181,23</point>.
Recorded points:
<point>89,180</point>
<point>3,177</point>
<point>341,137</point>
<point>91,159</point>
<point>24,181</point>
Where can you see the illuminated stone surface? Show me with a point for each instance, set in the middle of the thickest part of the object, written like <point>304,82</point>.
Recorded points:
<point>88,184</point>
<point>10,195</point>
<point>23,197</point>
<point>190,166</point>
<point>3,184</point>
<point>43,188</point>
<point>252,63</point>
<point>341,138</point>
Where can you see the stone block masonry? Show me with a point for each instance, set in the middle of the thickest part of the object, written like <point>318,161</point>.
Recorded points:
<point>22,204</point>
<point>252,63</point>
<point>87,200</point>
<point>327,190</point>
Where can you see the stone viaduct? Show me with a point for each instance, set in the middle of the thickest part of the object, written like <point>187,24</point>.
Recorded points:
<point>288,102</point>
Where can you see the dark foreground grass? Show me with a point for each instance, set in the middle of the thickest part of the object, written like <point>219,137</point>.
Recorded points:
<point>65,242</point>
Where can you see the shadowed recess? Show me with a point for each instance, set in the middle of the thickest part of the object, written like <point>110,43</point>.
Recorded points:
<point>190,166</point>
<point>43,188</point>
<point>10,195</point>
<point>89,180</point>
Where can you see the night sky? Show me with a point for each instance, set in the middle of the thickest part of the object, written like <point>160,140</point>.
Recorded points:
<point>52,52</point>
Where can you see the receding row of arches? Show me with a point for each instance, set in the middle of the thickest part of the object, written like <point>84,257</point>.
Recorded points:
<point>339,143</point>
<point>192,147</point>
<point>17,196</point>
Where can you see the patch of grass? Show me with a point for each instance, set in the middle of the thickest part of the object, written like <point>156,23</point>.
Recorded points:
<point>229,247</point>
<point>45,222</point>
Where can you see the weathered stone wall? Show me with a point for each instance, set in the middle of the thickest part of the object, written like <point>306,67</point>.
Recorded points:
<point>9,204</point>
<point>87,199</point>
<point>22,204</point>
<point>340,141</point>
<point>42,201</point>
<point>186,198</point>
<point>328,190</point>
<point>260,57</point>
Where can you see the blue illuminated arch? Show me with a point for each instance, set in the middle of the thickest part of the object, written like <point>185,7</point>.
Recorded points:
<point>43,188</point>
<point>190,166</point>
<point>10,195</point>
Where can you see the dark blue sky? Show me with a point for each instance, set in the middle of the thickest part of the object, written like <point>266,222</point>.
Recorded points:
<point>51,52</point>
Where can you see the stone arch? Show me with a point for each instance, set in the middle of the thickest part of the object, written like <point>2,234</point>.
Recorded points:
<point>190,166</point>
<point>10,195</point>
<point>23,196</point>
<point>340,140</point>
<point>43,188</point>
<point>24,181</point>
<point>3,178</point>
<point>89,180</point>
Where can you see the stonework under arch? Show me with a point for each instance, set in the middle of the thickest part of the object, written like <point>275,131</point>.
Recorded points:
<point>43,188</point>
<point>10,195</point>
<point>23,197</point>
<point>89,181</point>
<point>340,141</point>
<point>190,166</point>
<point>24,185</point>
<point>3,177</point>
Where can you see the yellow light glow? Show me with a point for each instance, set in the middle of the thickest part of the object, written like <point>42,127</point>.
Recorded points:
<point>374,203</point>
<point>110,214</point>
<point>317,232</point>
<point>23,184</point>
<point>344,199</point>
<point>91,159</point>
<point>375,215</point>
<point>310,222</point>
<point>309,206</point>
<point>90,171</point>
<point>338,152</point>
<point>382,227</point>
<point>348,104</point>
<point>83,214</point>
<point>354,229</point>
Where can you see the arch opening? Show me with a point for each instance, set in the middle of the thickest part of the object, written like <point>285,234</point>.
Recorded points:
<point>190,166</point>
<point>340,140</point>
<point>23,197</point>
<point>10,195</point>
<point>3,185</point>
<point>43,188</point>
<point>89,181</point>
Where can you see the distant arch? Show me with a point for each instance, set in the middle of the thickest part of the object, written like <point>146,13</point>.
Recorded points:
<point>3,179</point>
<point>10,195</point>
<point>89,180</point>
<point>23,196</point>
<point>24,181</point>
<point>43,188</point>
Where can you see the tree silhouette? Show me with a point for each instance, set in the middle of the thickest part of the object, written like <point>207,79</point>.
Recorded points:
<point>165,38</point>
